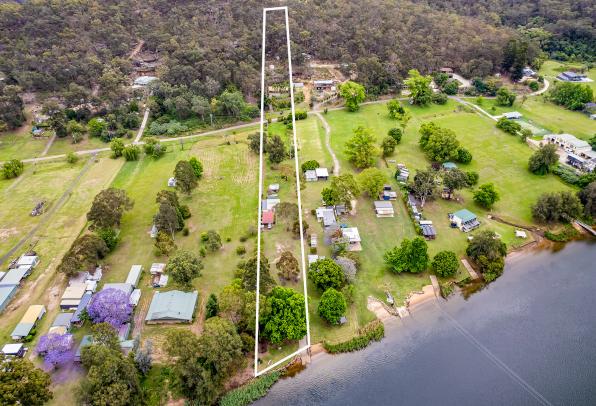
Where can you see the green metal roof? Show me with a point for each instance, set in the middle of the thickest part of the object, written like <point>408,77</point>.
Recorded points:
<point>172,305</point>
<point>465,215</point>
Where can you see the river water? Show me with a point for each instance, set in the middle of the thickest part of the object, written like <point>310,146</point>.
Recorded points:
<point>527,339</point>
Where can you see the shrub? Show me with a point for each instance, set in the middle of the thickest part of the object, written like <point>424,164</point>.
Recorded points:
<point>12,169</point>
<point>373,331</point>
<point>439,98</point>
<point>310,165</point>
<point>332,306</point>
<point>445,263</point>
<point>131,152</point>
<point>197,167</point>
<point>247,394</point>
<point>396,134</point>
<point>185,231</point>
<point>463,156</point>
<point>533,85</point>
<point>72,158</point>
<point>240,250</point>
<point>472,178</point>
<point>185,211</point>
<point>109,236</point>
<point>117,145</point>
<point>567,234</point>
<point>509,126</point>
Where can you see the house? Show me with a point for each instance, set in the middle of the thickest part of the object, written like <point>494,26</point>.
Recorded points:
<point>134,275</point>
<point>72,296</point>
<point>7,292</point>
<point>172,182</point>
<point>84,302</point>
<point>384,208</point>
<point>172,307</point>
<point>352,237</point>
<point>447,166</point>
<point>86,341</point>
<point>15,276</point>
<point>268,218</point>
<point>527,71</point>
<point>520,234</point>
<point>269,204</point>
<point>465,220</point>
<point>37,132</point>
<point>322,173</point>
<point>311,175</point>
<point>326,215</point>
<point>61,323</point>
<point>569,76</point>
<point>512,115</point>
<point>135,296</point>
<point>447,71</point>
<point>14,350</point>
<point>144,80</point>
<point>583,164</point>
<point>33,314</point>
<point>569,143</point>
<point>322,85</point>
<point>428,231</point>
<point>126,288</point>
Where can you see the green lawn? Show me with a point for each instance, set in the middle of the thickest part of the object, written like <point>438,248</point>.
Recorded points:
<point>65,145</point>
<point>20,144</point>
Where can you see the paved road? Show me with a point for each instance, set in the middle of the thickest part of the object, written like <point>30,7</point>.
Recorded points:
<point>328,143</point>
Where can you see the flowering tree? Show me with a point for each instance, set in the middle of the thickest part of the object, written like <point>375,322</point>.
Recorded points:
<point>110,306</point>
<point>56,349</point>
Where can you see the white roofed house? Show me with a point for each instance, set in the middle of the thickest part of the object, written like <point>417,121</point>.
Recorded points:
<point>72,296</point>
<point>512,115</point>
<point>310,176</point>
<point>326,215</point>
<point>384,208</point>
<point>352,238</point>
<point>570,143</point>
<point>33,314</point>
<point>134,275</point>
<point>322,173</point>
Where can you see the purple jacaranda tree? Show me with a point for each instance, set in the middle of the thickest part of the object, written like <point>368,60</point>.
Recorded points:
<point>56,349</point>
<point>110,306</point>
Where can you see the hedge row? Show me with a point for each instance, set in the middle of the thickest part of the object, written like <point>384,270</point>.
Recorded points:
<point>254,390</point>
<point>373,331</point>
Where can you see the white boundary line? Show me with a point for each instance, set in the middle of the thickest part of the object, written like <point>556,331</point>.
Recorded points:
<point>305,348</point>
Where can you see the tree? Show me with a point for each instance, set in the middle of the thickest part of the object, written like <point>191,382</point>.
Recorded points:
<point>332,306</point>
<point>445,263</point>
<point>372,181</point>
<point>571,95</point>
<point>239,306</point>
<point>348,266</point>
<point>440,79</point>
<point>396,134</point>
<point>110,306</point>
<point>463,156</point>
<point>56,349</point>
<point>419,87</point>
<point>96,126</point>
<point>231,102</point>
<point>442,145</point>
<point>455,179</point>
<point>505,97</point>
<point>184,267</point>
<point>166,219</point>
<point>388,146</point>
<point>186,180</point>
<point>486,195</point>
<point>153,148</point>
<point>410,256</point>
<point>473,178</point>
<point>117,146</point>
<point>84,254</point>
<point>213,242</point>
<point>451,88</point>
<point>11,107</point>
<point>587,196</point>
<point>132,152</point>
<point>556,207</point>
<point>254,143</point>
<point>249,275</point>
<point>360,149</point>
<point>111,378</point>
<point>326,274</point>
<point>285,316</point>
<point>541,161</point>
<point>288,267</point>
<point>143,359</point>
<point>353,93</point>
<point>12,169</point>
<point>220,347</point>
<point>22,383</point>
<point>395,109</point>
<point>164,243</point>
<point>276,149</point>
<point>343,189</point>
<point>75,130</point>
<point>108,207</point>
<point>212,307</point>
<point>109,236</point>
<point>197,167</point>
<point>439,98</point>
<point>310,165</point>
<point>58,123</point>
<point>509,126</point>
<point>487,244</point>
<point>424,185</point>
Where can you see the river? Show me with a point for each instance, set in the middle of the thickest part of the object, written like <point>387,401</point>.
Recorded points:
<point>527,339</point>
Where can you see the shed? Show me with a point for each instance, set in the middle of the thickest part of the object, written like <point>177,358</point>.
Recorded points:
<point>312,258</point>
<point>90,286</point>
<point>86,341</point>
<point>27,323</point>
<point>268,218</point>
<point>144,80</point>
<point>83,303</point>
<point>172,182</point>
<point>135,296</point>
<point>341,209</point>
<point>134,275</point>
<point>14,350</point>
<point>352,236</point>
<point>465,220</point>
<point>323,84</point>
<point>428,231</point>
<point>326,215</point>
<point>172,307</point>
<point>449,166</point>
<point>153,231</point>
<point>31,260</point>
<point>15,276</point>
<point>160,280</point>
<point>273,188</point>
<point>123,287</point>
<point>124,331</point>
<point>72,295</point>
<point>512,115</point>
<point>384,208</point>
<point>322,173</point>
<point>310,176</point>
<point>95,275</point>
<point>520,234</point>
<point>61,323</point>
<point>157,268</point>
<point>269,204</point>
<point>343,320</point>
